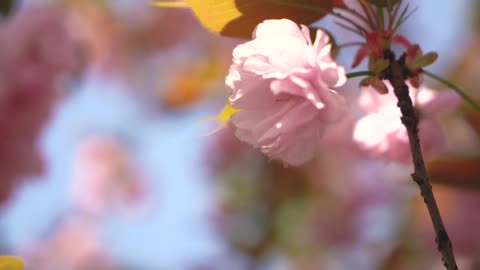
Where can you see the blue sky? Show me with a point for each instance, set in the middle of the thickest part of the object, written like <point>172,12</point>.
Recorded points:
<point>170,149</point>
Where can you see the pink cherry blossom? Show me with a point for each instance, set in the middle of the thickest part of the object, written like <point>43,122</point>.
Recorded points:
<point>380,132</point>
<point>282,85</point>
<point>74,245</point>
<point>35,52</point>
<point>106,178</point>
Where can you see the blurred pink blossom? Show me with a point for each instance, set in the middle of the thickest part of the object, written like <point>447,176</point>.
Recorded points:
<point>226,150</point>
<point>467,239</point>
<point>281,83</point>
<point>105,178</point>
<point>35,51</point>
<point>380,132</point>
<point>74,245</point>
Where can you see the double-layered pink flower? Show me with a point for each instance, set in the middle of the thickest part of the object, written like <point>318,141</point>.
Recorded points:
<point>380,133</point>
<point>282,84</point>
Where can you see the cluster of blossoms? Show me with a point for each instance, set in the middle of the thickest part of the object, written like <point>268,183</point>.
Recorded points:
<point>74,245</point>
<point>105,181</point>
<point>105,178</point>
<point>284,91</point>
<point>380,132</point>
<point>284,88</point>
<point>36,52</point>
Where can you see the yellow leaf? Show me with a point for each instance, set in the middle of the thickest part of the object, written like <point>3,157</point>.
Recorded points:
<point>186,85</point>
<point>226,113</point>
<point>238,18</point>
<point>11,263</point>
<point>221,118</point>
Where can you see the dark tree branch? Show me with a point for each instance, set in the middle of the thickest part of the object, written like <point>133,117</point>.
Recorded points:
<point>396,74</point>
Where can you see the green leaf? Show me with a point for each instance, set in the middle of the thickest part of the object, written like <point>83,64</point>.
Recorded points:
<point>6,6</point>
<point>455,88</point>
<point>376,83</point>
<point>11,263</point>
<point>424,60</point>
<point>379,66</point>
<point>238,18</point>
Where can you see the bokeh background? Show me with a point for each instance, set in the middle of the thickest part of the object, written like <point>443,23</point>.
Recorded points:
<point>104,162</point>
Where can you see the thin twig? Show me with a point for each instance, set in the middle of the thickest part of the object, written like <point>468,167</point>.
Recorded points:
<point>370,15</point>
<point>455,88</point>
<point>359,16</point>
<point>350,44</point>
<point>393,16</point>
<point>359,27</point>
<point>359,74</point>
<point>409,119</point>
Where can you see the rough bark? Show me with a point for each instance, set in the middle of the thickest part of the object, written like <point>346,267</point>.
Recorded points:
<point>396,74</point>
